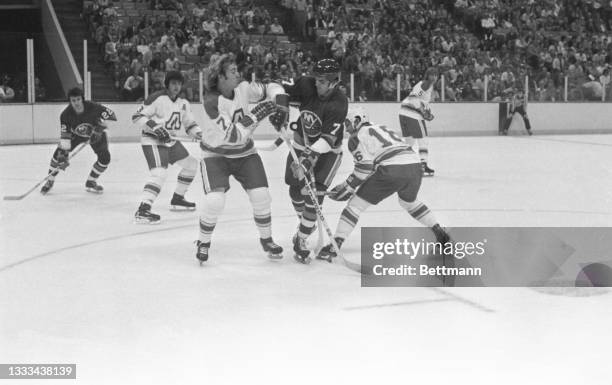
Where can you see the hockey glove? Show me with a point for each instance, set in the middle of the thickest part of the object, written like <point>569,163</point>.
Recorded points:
<point>258,113</point>
<point>195,133</point>
<point>97,133</point>
<point>426,113</point>
<point>281,116</point>
<point>161,134</point>
<point>307,160</point>
<point>345,190</point>
<point>278,119</point>
<point>62,158</point>
<point>263,110</point>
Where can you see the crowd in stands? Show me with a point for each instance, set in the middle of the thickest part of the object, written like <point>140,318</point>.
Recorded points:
<point>466,40</point>
<point>13,89</point>
<point>180,35</point>
<point>470,42</point>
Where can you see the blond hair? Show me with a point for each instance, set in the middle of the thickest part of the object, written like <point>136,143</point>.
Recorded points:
<point>214,69</point>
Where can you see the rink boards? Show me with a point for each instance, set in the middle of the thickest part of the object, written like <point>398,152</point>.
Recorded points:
<point>39,123</point>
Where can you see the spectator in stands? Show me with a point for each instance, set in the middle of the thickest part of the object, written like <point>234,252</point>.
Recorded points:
<point>276,28</point>
<point>133,88</point>
<point>172,63</point>
<point>190,48</point>
<point>39,90</point>
<point>7,94</point>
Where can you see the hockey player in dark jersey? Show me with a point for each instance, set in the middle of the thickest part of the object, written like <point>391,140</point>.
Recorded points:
<point>317,140</point>
<point>80,122</point>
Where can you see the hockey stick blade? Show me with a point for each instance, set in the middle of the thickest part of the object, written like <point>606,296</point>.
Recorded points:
<point>14,197</point>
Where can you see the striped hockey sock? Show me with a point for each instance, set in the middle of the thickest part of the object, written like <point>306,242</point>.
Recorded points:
<point>297,200</point>
<point>154,185</point>
<point>420,212</point>
<point>206,229</point>
<point>97,169</point>
<point>348,221</point>
<point>212,207</point>
<point>262,212</point>
<point>150,193</point>
<point>184,179</point>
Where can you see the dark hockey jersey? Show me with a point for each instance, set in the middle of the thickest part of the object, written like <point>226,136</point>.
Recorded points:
<point>318,118</point>
<point>83,124</point>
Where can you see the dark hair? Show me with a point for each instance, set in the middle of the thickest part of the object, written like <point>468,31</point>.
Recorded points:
<point>173,75</point>
<point>74,92</point>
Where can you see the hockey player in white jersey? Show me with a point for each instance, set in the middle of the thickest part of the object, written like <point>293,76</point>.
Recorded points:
<point>414,111</point>
<point>228,149</point>
<point>384,165</point>
<point>160,118</point>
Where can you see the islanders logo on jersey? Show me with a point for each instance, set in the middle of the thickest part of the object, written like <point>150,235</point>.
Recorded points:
<point>311,123</point>
<point>84,129</point>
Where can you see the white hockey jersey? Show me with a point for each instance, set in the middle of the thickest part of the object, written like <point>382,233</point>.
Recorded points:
<point>417,100</point>
<point>374,145</point>
<point>222,134</point>
<point>159,109</point>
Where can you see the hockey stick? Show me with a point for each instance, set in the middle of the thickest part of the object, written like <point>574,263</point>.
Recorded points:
<point>184,139</point>
<point>309,188</point>
<point>20,197</point>
<point>319,244</point>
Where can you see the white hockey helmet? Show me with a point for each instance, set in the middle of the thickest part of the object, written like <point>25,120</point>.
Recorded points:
<point>355,118</point>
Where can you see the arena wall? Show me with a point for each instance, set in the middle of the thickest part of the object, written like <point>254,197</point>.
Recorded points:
<point>39,123</point>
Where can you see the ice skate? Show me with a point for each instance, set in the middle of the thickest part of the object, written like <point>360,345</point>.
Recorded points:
<point>93,187</point>
<point>47,187</point>
<point>178,203</point>
<point>302,253</point>
<point>274,251</point>
<point>426,170</point>
<point>328,252</point>
<point>144,215</point>
<point>202,251</point>
<point>441,234</point>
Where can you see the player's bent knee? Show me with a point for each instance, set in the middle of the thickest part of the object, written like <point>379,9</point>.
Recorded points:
<point>358,204</point>
<point>214,202</point>
<point>189,164</point>
<point>260,197</point>
<point>408,205</point>
<point>295,192</point>
<point>158,174</point>
<point>104,158</point>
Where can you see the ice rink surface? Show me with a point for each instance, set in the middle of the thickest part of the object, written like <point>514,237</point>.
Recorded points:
<point>80,283</point>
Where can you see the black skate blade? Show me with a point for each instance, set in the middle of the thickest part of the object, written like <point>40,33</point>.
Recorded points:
<point>181,208</point>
